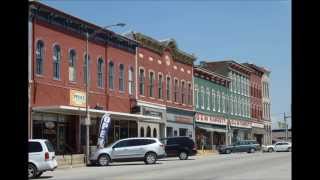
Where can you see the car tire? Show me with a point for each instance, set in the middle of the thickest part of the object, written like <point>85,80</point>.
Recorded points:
<point>32,171</point>
<point>103,160</point>
<point>289,149</point>
<point>252,150</point>
<point>228,151</point>
<point>183,155</point>
<point>270,150</point>
<point>39,174</point>
<point>150,158</point>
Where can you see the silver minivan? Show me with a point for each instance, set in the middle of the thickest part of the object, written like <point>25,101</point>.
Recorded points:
<point>130,149</point>
<point>41,157</point>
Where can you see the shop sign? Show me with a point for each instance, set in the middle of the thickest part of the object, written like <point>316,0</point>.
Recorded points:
<point>258,125</point>
<point>77,98</point>
<point>210,119</point>
<point>49,125</point>
<point>151,112</point>
<point>240,123</point>
<point>184,119</point>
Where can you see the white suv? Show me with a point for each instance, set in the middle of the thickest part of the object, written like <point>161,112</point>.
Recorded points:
<point>41,157</point>
<point>278,146</point>
<point>130,149</point>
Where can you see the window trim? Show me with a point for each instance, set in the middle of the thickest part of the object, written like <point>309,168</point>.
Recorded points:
<point>182,90</point>
<point>100,73</point>
<point>202,91</point>
<point>168,89</point>
<point>42,57</point>
<point>160,85</point>
<point>58,61</point>
<point>111,75</point>
<point>153,83</point>
<point>123,78</point>
<point>176,90</point>
<point>74,66</point>
<point>142,82</point>
<point>131,82</point>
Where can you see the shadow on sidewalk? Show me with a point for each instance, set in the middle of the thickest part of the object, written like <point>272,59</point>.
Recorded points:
<point>174,159</point>
<point>44,177</point>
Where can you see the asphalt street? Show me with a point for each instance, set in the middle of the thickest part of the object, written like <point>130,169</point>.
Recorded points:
<point>237,166</point>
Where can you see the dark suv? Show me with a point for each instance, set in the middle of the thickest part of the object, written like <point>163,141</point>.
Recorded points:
<point>181,147</point>
<point>249,146</point>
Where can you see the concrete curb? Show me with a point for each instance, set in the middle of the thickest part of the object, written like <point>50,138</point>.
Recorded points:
<point>71,166</point>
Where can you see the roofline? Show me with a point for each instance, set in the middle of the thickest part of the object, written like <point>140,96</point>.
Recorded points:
<point>197,67</point>
<point>232,62</point>
<point>37,3</point>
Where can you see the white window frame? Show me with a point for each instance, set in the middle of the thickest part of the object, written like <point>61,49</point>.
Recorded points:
<point>231,104</point>
<point>213,100</point>
<point>202,97</point>
<point>196,89</point>
<point>219,101</point>
<point>208,98</point>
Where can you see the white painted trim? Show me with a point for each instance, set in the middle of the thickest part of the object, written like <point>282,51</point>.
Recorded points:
<point>152,105</point>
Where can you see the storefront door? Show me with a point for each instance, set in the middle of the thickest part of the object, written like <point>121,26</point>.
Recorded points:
<point>61,138</point>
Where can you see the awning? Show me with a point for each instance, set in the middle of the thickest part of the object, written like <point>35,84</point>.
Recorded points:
<point>211,129</point>
<point>71,110</point>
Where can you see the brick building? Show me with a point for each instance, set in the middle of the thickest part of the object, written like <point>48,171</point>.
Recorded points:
<point>164,86</point>
<point>57,76</point>
<point>257,132</point>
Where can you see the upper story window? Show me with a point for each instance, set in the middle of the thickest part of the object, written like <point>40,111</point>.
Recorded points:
<point>213,100</point>
<point>231,104</point>
<point>131,82</point>
<point>176,90</point>
<point>86,62</point>
<point>100,72</point>
<point>196,96</point>
<point>72,65</point>
<point>231,83</point>
<point>121,77</point>
<point>151,84</point>
<point>202,97</point>
<point>56,61</point>
<point>111,75</point>
<point>208,99</point>
<point>168,89</point>
<point>160,84</point>
<point>219,101</point>
<point>223,102</point>
<point>39,57</point>
<point>141,82</point>
<point>189,94</point>
<point>182,92</point>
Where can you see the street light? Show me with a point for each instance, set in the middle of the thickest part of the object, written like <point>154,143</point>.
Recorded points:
<point>87,120</point>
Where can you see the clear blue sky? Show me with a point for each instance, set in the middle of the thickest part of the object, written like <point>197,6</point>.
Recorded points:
<point>258,31</point>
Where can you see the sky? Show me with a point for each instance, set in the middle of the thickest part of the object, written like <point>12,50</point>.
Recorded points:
<point>254,31</point>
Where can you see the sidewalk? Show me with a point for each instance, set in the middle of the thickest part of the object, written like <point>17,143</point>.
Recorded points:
<point>206,152</point>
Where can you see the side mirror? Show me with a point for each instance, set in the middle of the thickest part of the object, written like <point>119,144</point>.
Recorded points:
<point>113,147</point>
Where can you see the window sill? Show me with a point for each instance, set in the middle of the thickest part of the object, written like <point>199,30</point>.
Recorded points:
<point>72,82</point>
<point>55,79</point>
<point>122,92</point>
<point>39,75</point>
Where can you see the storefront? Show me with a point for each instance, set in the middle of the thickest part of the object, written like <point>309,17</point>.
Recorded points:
<point>210,130</point>
<point>240,130</point>
<point>152,127</point>
<point>64,127</point>
<point>180,123</point>
<point>258,132</point>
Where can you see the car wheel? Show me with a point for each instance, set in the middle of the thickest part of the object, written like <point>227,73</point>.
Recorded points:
<point>103,160</point>
<point>150,158</point>
<point>32,171</point>
<point>183,155</point>
<point>39,174</point>
<point>252,150</point>
<point>228,151</point>
<point>289,149</point>
<point>270,150</point>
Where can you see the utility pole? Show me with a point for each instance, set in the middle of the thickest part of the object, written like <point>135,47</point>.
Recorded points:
<point>285,123</point>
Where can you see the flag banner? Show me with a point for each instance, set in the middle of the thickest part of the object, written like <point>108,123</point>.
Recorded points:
<point>103,132</point>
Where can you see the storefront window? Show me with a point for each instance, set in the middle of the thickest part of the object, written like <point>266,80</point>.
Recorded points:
<point>182,132</point>
<point>169,132</point>
<point>175,133</point>
<point>154,132</point>
<point>141,131</point>
<point>148,131</point>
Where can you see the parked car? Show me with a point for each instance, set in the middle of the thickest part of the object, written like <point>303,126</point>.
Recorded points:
<point>41,157</point>
<point>129,149</point>
<point>181,147</point>
<point>278,146</point>
<point>249,146</point>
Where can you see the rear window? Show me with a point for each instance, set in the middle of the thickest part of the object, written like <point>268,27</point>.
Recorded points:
<point>148,141</point>
<point>35,147</point>
<point>49,146</point>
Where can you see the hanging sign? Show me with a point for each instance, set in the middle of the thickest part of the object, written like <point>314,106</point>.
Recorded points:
<point>77,98</point>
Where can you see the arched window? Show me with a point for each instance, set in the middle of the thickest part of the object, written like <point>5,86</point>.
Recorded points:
<point>72,65</point>
<point>121,77</point>
<point>141,131</point>
<point>111,75</point>
<point>100,72</point>
<point>85,73</point>
<point>131,82</point>
<point>154,132</point>
<point>56,61</point>
<point>39,57</point>
<point>148,131</point>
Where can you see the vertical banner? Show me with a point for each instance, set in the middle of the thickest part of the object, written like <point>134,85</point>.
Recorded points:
<point>103,131</point>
